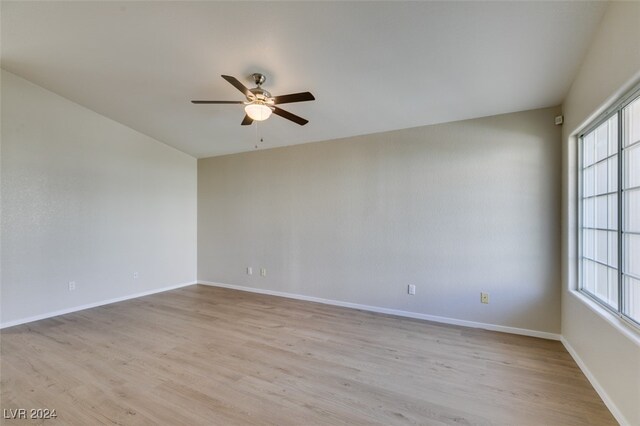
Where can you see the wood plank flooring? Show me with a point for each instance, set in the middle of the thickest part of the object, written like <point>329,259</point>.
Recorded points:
<point>209,356</point>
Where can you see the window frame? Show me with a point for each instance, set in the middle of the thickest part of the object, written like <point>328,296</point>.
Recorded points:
<point>617,108</point>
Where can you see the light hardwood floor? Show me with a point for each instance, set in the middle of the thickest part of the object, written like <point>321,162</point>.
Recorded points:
<point>209,356</point>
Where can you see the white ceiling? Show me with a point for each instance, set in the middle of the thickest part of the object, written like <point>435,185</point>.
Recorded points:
<point>373,66</point>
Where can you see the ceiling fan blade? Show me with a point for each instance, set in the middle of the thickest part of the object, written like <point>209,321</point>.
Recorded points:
<point>293,97</point>
<point>217,102</point>
<point>286,114</point>
<point>241,87</point>
<point>247,120</point>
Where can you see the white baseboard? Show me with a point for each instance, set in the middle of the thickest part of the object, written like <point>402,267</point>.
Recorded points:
<point>596,385</point>
<point>91,305</point>
<point>434,318</point>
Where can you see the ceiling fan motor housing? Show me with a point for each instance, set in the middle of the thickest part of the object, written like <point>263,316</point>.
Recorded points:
<point>261,95</point>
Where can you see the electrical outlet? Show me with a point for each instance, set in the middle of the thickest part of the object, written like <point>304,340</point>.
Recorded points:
<point>263,272</point>
<point>484,297</point>
<point>249,270</point>
<point>72,285</point>
<point>135,275</point>
<point>411,289</point>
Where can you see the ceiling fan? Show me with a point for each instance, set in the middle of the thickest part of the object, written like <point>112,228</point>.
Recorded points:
<point>260,104</point>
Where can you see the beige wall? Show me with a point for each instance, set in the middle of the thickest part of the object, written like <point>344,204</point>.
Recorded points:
<point>455,209</point>
<point>89,200</point>
<point>607,348</point>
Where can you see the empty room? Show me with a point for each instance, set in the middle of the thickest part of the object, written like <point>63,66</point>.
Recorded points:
<point>320,213</point>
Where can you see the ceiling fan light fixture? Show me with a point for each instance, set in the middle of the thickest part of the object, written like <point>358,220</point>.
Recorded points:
<point>258,111</point>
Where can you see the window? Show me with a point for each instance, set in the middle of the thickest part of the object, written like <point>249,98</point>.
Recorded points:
<point>610,210</point>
